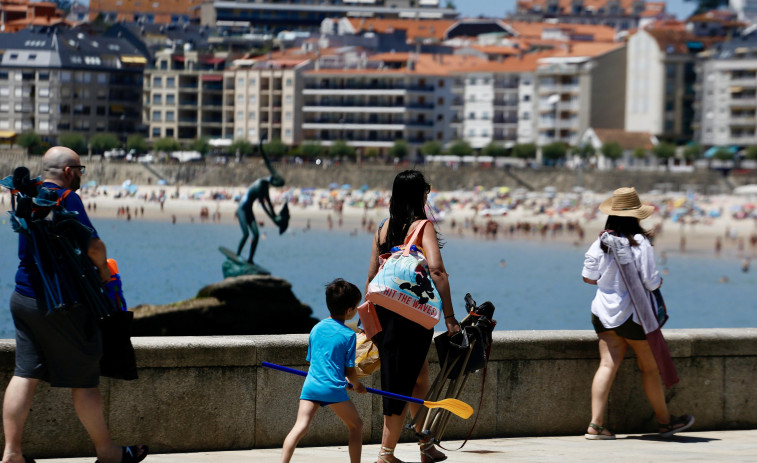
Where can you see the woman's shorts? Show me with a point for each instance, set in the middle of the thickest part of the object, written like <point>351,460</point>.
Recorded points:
<point>63,348</point>
<point>629,329</point>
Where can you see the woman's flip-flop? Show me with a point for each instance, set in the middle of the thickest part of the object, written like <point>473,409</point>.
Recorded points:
<point>599,435</point>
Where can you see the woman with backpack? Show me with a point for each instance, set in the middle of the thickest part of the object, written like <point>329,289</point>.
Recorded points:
<point>403,344</point>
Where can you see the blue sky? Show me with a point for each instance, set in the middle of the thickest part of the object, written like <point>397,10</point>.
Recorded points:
<point>500,8</point>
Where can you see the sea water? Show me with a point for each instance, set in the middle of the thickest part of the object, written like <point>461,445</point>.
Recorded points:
<point>534,285</point>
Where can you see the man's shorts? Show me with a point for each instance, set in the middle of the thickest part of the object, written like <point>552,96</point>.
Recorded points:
<point>629,329</point>
<point>62,348</point>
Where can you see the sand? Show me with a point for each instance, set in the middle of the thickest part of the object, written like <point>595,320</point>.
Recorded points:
<point>464,214</point>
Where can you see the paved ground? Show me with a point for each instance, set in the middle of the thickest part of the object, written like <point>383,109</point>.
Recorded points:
<point>714,446</point>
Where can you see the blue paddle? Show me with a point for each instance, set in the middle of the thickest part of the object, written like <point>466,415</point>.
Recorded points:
<point>458,407</point>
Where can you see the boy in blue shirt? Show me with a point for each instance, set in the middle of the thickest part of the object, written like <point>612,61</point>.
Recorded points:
<point>331,353</point>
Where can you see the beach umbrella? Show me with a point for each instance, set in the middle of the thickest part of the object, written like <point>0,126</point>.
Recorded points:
<point>162,182</point>
<point>126,184</point>
<point>364,187</point>
<point>503,190</point>
<point>346,186</point>
<point>333,185</point>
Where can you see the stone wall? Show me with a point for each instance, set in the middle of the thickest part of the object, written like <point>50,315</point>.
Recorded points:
<point>379,175</point>
<point>209,393</point>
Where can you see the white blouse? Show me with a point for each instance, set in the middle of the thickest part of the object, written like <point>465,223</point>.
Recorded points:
<point>612,305</point>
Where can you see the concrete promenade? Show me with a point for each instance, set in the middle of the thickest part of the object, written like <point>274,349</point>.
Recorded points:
<point>706,446</point>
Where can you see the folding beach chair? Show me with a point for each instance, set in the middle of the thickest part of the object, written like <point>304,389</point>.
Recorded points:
<point>459,356</point>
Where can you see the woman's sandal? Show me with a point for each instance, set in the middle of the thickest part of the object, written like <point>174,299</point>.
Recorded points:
<point>386,452</point>
<point>599,435</point>
<point>131,454</point>
<point>676,424</point>
<point>428,450</point>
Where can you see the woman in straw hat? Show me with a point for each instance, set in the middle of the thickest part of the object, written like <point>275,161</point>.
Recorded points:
<point>613,314</point>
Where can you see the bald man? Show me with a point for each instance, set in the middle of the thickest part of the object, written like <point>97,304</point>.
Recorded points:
<point>62,348</point>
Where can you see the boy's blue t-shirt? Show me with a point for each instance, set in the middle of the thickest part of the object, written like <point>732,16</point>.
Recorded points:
<point>331,349</point>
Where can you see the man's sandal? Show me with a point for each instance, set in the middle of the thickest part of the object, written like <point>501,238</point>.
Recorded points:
<point>599,435</point>
<point>428,450</point>
<point>131,454</point>
<point>676,424</point>
<point>387,452</point>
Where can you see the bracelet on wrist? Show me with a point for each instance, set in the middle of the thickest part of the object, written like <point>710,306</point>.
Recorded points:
<point>449,316</point>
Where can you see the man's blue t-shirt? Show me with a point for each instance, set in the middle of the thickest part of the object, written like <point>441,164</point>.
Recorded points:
<point>331,349</point>
<point>28,280</point>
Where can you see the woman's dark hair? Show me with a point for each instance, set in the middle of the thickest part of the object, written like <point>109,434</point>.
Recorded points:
<point>405,207</point>
<point>625,226</point>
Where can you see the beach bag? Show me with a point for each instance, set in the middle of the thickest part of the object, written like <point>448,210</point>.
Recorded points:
<point>366,356</point>
<point>403,284</point>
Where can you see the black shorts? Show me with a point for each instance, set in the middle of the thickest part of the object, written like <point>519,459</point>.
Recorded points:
<point>62,348</point>
<point>629,329</point>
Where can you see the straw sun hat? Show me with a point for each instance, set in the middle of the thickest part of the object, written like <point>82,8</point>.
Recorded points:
<point>625,202</point>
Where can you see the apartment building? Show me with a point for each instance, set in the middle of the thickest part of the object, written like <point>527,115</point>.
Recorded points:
<point>619,14</point>
<point>268,99</point>
<point>187,95</point>
<point>726,109</point>
<point>263,15</point>
<point>393,96</point>
<point>149,12</point>
<point>54,81</point>
<point>496,101</point>
<point>661,75</point>
<point>16,15</point>
<point>579,87</point>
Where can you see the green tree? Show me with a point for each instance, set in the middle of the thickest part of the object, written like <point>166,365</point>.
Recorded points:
<point>371,153</point>
<point>554,151</point>
<point>311,149</point>
<point>639,153</point>
<point>340,149</point>
<point>241,146</point>
<point>664,151</point>
<point>399,149</point>
<point>494,150</point>
<point>103,142</point>
<point>460,148</point>
<point>723,154</point>
<point>751,153</point>
<point>524,151</point>
<point>586,150</point>
<point>167,145</point>
<point>137,143</point>
<point>431,148</point>
<point>612,151</point>
<point>200,144</point>
<point>74,141</point>
<point>31,141</point>
<point>692,151</point>
<point>275,148</point>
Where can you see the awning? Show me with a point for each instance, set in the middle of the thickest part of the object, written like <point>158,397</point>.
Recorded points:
<point>179,58</point>
<point>212,60</point>
<point>135,59</point>
<point>7,134</point>
<point>711,151</point>
<point>211,78</point>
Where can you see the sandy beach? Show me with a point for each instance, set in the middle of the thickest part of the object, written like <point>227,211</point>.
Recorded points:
<point>690,224</point>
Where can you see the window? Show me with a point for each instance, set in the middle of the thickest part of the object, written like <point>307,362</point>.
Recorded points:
<point>288,132</point>
<point>526,116</point>
<point>240,98</point>
<point>44,92</point>
<point>170,117</point>
<point>44,126</point>
<point>43,76</point>
<point>240,81</point>
<point>288,115</point>
<point>252,82</point>
<point>17,92</point>
<point>5,91</point>
<point>289,82</point>
<point>251,133</point>
<point>471,116</point>
<point>5,124</point>
<point>156,132</point>
<point>44,108</point>
<point>102,78</point>
<point>4,107</point>
<point>156,116</point>
<point>252,116</point>
<point>169,132</point>
<point>157,82</point>
<point>240,132</point>
<point>100,111</point>
<point>526,97</point>
<point>252,99</point>
<point>3,75</point>
<point>157,98</point>
<point>471,133</point>
<point>288,99</point>
<point>170,98</point>
<point>240,115</point>
<point>65,76</point>
<point>170,82</point>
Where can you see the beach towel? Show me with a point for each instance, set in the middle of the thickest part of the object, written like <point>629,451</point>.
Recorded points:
<point>643,307</point>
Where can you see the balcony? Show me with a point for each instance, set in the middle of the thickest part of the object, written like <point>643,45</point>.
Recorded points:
<point>498,84</point>
<point>743,121</point>
<point>354,109</point>
<point>505,120</point>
